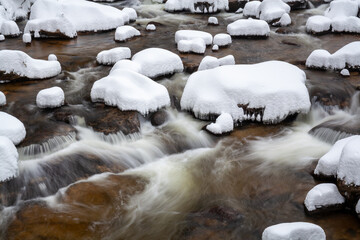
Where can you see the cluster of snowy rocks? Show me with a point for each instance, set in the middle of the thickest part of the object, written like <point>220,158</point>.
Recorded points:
<point>269,11</point>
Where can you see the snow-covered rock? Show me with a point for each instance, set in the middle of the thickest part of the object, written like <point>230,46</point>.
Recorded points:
<point>131,13</point>
<point>347,56</point>
<point>196,45</point>
<point>345,72</point>
<point>342,8</point>
<point>111,56</point>
<point>8,159</point>
<point>50,98</point>
<point>52,57</point>
<point>129,90</point>
<point>196,6</point>
<point>126,64</point>
<point>224,123</point>
<point>210,62</point>
<point>150,27</point>
<point>267,92</point>
<point>251,8</point>
<point>222,39</point>
<point>318,24</point>
<point>2,38</point>
<point>9,28</point>
<point>213,21</point>
<point>328,164</point>
<point>26,38</point>
<point>124,33</point>
<point>294,230</point>
<point>270,10</point>
<point>193,34</point>
<point>155,62</point>
<point>51,27</point>
<point>249,28</point>
<point>285,20</point>
<point>22,65</point>
<point>2,99</point>
<point>322,196</point>
<point>12,128</point>
<point>215,47</point>
<point>349,164</point>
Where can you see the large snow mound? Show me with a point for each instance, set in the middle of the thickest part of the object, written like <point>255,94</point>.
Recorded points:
<point>111,56</point>
<point>349,164</point>
<point>294,230</point>
<point>251,8</point>
<point>196,45</point>
<point>12,128</point>
<point>210,62</point>
<point>2,99</point>
<point>9,28</point>
<point>84,15</point>
<point>53,26</point>
<point>322,196</point>
<point>155,62</point>
<point>224,123</point>
<point>129,90</point>
<point>21,64</point>
<point>194,5</point>
<point>346,57</point>
<point>8,159</point>
<point>249,28</point>
<point>50,98</point>
<point>267,92</point>
<point>193,34</point>
<point>124,33</point>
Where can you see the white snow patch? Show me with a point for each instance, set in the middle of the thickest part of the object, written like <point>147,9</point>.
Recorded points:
<point>349,164</point>
<point>52,57</point>
<point>251,8</point>
<point>318,24</point>
<point>8,159</point>
<point>224,123</point>
<point>12,128</point>
<point>294,230</point>
<point>51,25</point>
<point>126,65</point>
<point>213,20</point>
<point>2,38</point>
<point>2,99</point>
<point>196,45</point>
<point>50,98</point>
<point>23,65</point>
<point>276,88</point>
<point>193,34</point>
<point>111,56</point>
<point>215,48</point>
<point>345,72</point>
<point>150,27</point>
<point>210,62</point>
<point>9,28</point>
<point>26,38</point>
<point>285,20</point>
<point>124,33</point>
<point>322,196</point>
<point>129,90</point>
<point>249,27</point>
<point>222,39</point>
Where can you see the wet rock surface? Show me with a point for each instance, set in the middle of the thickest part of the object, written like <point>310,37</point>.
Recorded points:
<point>158,118</point>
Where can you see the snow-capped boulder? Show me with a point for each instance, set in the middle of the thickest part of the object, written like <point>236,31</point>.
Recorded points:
<point>325,196</point>
<point>294,230</point>
<point>345,72</point>
<point>210,62</point>
<point>213,21</point>
<point>193,34</point>
<point>59,27</point>
<point>222,39</point>
<point>318,24</point>
<point>131,13</point>
<point>26,38</point>
<point>196,45</point>
<point>270,10</point>
<point>150,27</point>
<point>248,28</point>
<point>129,90</point>
<point>266,92</point>
<point>111,56</point>
<point>2,99</point>
<point>2,38</point>
<point>52,57</point>
<point>9,28</point>
<point>223,124</point>
<point>251,8</point>
<point>155,62</point>
<point>196,6</point>
<point>215,48</point>
<point>8,159</point>
<point>347,56</point>
<point>50,98</point>
<point>12,128</point>
<point>18,65</point>
<point>124,33</point>
<point>349,167</point>
<point>126,65</point>
<point>284,21</point>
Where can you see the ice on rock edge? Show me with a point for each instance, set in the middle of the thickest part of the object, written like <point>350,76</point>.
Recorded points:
<point>294,230</point>
<point>8,159</point>
<point>249,28</point>
<point>124,33</point>
<point>189,5</point>
<point>129,90</point>
<point>111,56</point>
<point>267,92</point>
<point>155,62</point>
<point>322,196</point>
<point>349,164</point>
<point>196,45</point>
<point>50,98</point>
<point>23,65</point>
<point>210,62</point>
<point>193,34</point>
<point>12,128</point>
<point>2,99</point>
<point>224,123</point>
<point>222,39</point>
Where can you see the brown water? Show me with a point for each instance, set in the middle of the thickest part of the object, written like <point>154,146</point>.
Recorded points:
<point>179,182</point>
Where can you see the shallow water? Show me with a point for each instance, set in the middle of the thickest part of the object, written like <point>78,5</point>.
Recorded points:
<point>197,186</point>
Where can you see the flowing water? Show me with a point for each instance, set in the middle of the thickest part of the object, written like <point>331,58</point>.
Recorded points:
<point>188,184</point>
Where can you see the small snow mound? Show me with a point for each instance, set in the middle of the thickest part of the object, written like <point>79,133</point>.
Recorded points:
<point>251,8</point>
<point>249,28</point>
<point>323,196</point>
<point>222,39</point>
<point>224,123</point>
<point>8,159</point>
<point>9,28</point>
<point>26,38</point>
<point>2,99</point>
<point>318,24</point>
<point>111,56</point>
<point>150,27</point>
<point>210,62</point>
<point>213,21</point>
<point>155,62</point>
<point>131,13</point>
<point>129,90</point>
<point>192,34</point>
<point>12,128</point>
<point>215,48</point>
<point>124,33</point>
<point>24,66</point>
<point>345,72</point>
<point>349,168</point>
<point>196,45</point>
<point>2,38</point>
<point>294,230</point>
<point>52,57</point>
<point>127,65</point>
<point>50,98</point>
<point>285,20</point>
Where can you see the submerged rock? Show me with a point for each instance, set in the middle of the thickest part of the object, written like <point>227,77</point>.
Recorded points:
<point>158,118</point>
